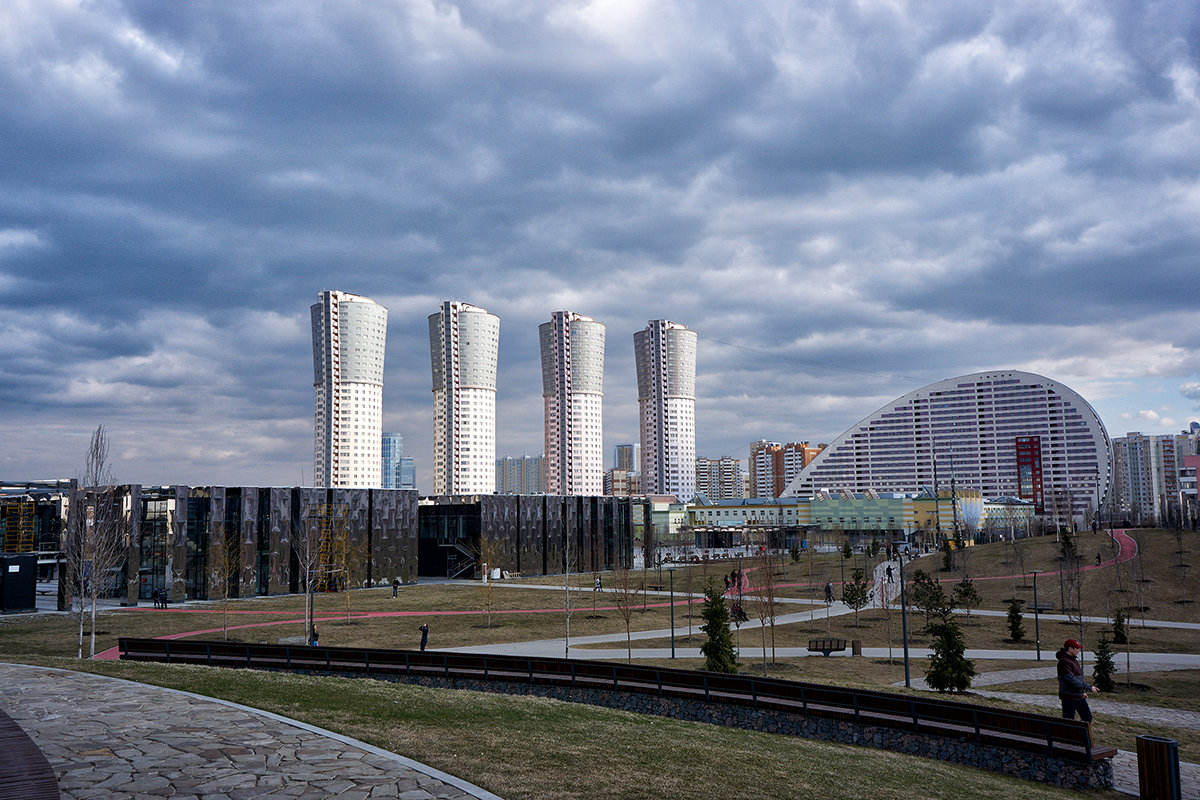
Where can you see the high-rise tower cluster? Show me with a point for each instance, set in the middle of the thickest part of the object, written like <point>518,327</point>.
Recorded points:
<point>348,333</point>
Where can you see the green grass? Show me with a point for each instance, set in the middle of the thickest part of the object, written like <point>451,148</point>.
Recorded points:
<point>542,749</point>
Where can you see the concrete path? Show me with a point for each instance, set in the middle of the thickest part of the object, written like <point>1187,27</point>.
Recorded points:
<point>118,740</point>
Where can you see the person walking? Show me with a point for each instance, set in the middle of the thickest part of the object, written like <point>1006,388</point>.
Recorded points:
<point>424,635</point>
<point>889,574</point>
<point>828,591</point>
<point>395,586</point>
<point>1072,688</point>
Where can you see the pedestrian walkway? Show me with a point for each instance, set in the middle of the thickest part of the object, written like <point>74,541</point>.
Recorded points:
<point>118,740</point>
<point>1125,768</point>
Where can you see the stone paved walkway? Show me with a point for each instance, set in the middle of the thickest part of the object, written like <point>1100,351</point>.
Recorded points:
<point>113,739</point>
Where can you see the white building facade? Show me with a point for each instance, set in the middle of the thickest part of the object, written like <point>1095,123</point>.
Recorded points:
<point>572,348</point>
<point>665,356</point>
<point>1005,433</point>
<point>464,344</point>
<point>349,335</point>
<point>1148,469</point>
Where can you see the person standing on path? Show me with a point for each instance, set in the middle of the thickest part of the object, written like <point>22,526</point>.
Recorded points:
<point>424,635</point>
<point>1072,688</point>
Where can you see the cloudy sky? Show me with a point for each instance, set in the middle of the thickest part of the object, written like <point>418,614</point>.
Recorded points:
<point>847,200</point>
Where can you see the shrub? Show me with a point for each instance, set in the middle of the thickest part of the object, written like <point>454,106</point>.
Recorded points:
<point>718,650</point>
<point>1103,670</point>
<point>1015,629</point>
<point>949,668</point>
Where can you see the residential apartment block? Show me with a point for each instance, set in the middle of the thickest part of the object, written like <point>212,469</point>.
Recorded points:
<point>622,483</point>
<point>464,343</point>
<point>572,349</point>
<point>349,334</point>
<point>522,475</point>
<point>1152,475</point>
<point>773,465</point>
<point>627,457</point>
<point>665,357</point>
<point>720,479</point>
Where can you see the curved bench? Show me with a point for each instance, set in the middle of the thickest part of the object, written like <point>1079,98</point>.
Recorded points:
<point>25,774</point>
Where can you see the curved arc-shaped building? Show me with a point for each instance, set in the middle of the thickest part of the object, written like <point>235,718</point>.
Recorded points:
<point>1004,432</point>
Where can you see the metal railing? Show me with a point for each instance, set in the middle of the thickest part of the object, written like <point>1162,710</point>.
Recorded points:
<point>1019,730</point>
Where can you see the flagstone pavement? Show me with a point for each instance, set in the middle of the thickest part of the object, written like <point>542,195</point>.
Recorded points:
<point>114,739</point>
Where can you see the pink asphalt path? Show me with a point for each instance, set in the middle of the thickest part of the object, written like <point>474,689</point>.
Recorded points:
<point>1126,551</point>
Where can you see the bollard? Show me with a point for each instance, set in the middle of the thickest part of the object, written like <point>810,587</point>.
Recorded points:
<point>1158,768</point>
<point>856,647</point>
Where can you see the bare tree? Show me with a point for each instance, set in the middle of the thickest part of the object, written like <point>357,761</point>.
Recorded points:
<point>570,560</point>
<point>354,568</point>
<point>306,544</point>
<point>1019,552</point>
<point>96,538</point>
<point>765,604</point>
<point>488,556</point>
<point>223,571</point>
<point>624,591</point>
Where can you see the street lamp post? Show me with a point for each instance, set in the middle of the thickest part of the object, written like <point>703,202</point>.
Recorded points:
<point>904,624</point>
<point>1037,630</point>
<point>671,572</point>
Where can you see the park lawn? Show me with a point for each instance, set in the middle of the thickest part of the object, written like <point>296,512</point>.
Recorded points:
<point>550,750</point>
<point>983,633</point>
<point>1165,689</point>
<point>456,615</point>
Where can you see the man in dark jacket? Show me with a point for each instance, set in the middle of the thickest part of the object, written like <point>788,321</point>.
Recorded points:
<point>1072,688</point>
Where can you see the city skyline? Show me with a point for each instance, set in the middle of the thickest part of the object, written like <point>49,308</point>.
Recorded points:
<point>845,201</point>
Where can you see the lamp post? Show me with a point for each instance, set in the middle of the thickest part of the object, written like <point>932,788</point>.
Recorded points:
<point>671,572</point>
<point>904,624</point>
<point>1037,630</point>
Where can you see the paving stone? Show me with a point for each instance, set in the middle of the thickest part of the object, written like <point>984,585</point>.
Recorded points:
<point>125,741</point>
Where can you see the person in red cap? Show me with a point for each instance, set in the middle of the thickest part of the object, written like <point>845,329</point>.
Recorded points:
<point>1072,688</point>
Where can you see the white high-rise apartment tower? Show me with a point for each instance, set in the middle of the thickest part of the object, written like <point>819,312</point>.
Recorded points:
<point>573,390</point>
<point>666,371</point>
<point>349,334</point>
<point>464,342</point>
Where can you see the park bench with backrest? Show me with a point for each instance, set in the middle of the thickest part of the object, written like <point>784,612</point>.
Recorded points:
<point>1053,736</point>
<point>826,646</point>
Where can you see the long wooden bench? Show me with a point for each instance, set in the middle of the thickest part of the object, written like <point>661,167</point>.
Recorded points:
<point>25,774</point>
<point>1054,736</point>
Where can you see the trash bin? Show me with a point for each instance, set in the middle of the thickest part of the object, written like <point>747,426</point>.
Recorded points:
<point>18,583</point>
<point>1158,768</point>
<point>856,647</point>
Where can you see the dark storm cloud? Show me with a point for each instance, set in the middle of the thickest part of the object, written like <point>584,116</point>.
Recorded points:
<point>845,200</point>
